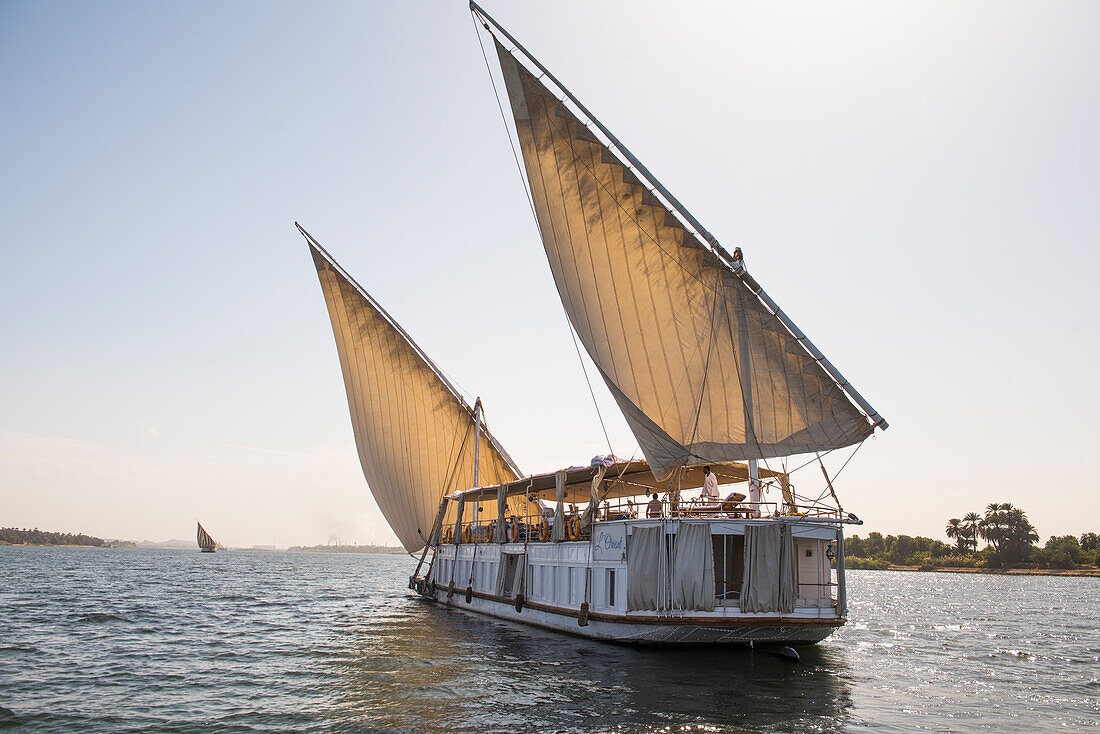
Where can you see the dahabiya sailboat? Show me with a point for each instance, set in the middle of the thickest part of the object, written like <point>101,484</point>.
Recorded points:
<point>207,544</point>
<point>706,368</point>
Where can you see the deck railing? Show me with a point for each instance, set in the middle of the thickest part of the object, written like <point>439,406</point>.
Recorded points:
<point>538,527</point>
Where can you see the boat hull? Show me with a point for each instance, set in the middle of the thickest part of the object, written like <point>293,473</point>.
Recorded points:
<point>649,631</point>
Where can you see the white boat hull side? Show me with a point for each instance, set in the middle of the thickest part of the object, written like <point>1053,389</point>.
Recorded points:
<point>663,631</point>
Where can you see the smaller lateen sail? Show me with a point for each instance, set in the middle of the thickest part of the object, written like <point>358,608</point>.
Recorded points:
<point>206,543</point>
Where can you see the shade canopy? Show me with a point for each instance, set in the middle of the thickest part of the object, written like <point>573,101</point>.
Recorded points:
<point>701,369</point>
<point>621,479</point>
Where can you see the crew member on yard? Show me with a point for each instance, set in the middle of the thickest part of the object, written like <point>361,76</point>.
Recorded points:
<point>710,486</point>
<point>738,260</point>
<point>653,509</point>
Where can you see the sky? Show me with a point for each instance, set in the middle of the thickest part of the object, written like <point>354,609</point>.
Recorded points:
<point>917,184</point>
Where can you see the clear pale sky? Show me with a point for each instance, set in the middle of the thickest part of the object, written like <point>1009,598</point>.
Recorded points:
<point>917,184</point>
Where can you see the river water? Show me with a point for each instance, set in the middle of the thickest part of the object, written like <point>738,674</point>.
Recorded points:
<point>106,640</point>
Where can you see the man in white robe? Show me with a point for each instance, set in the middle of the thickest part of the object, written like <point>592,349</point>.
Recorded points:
<point>710,486</point>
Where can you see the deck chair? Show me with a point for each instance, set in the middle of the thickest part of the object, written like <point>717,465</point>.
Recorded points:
<point>729,505</point>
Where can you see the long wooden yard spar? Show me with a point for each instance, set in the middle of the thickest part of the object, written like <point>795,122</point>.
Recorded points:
<point>703,363</point>
<point>417,438</point>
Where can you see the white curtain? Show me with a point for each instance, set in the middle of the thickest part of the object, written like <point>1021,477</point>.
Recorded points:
<point>510,573</point>
<point>558,532</point>
<point>502,574</point>
<point>589,515</point>
<point>770,569</point>
<point>458,519</point>
<point>647,570</point>
<point>788,570</point>
<point>499,536</point>
<point>693,568</point>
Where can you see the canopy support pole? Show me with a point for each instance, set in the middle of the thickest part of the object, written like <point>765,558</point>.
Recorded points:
<point>674,203</point>
<point>477,453</point>
<point>841,581</point>
<point>754,487</point>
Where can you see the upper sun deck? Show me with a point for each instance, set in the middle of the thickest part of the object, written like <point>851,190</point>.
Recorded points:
<point>621,479</point>
<point>609,493</point>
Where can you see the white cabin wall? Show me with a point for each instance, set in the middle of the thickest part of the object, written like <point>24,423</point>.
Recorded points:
<point>814,572</point>
<point>564,574</point>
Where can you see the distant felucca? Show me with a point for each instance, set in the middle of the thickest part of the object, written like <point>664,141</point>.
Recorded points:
<point>206,543</point>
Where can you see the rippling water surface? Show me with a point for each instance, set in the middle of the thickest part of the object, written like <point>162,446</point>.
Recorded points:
<point>97,640</point>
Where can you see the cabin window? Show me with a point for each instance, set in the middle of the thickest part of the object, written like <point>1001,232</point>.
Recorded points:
<point>610,587</point>
<point>572,585</point>
<point>729,567</point>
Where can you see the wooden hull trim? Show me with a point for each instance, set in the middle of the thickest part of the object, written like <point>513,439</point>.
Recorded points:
<point>648,630</point>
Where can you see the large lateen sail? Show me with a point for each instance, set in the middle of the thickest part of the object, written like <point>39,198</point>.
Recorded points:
<point>701,369</point>
<point>414,433</point>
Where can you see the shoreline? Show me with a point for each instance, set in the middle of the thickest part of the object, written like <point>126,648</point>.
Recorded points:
<point>1077,572</point>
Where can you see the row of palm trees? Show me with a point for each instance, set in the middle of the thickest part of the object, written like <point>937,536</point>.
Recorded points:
<point>1004,527</point>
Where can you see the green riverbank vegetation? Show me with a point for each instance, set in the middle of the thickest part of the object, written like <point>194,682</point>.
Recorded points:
<point>1010,542</point>
<point>17,536</point>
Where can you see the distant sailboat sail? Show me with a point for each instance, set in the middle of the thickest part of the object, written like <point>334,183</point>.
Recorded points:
<point>415,434</point>
<point>206,543</point>
<point>701,369</point>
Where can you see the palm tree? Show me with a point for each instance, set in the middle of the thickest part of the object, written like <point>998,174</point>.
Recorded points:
<point>1009,532</point>
<point>971,520</point>
<point>956,532</point>
<point>1020,534</point>
<point>991,527</point>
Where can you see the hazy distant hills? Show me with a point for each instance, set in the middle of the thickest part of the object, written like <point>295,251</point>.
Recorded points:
<point>168,544</point>
<point>388,550</point>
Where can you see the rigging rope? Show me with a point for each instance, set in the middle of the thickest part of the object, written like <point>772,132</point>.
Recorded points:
<point>590,390</point>
<point>534,213</point>
<point>856,451</point>
<point>503,117</point>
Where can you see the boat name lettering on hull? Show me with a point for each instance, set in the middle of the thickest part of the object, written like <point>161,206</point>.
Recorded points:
<point>609,543</point>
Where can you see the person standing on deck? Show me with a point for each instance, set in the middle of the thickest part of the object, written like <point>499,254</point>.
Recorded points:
<point>710,486</point>
<point>653,509</point>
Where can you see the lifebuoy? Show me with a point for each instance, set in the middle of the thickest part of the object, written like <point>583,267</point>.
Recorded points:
<point>544,530</point>
<point>447,535</point>
<point>574,528</point>
<point>467,534</point>
<point>513,532</point>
